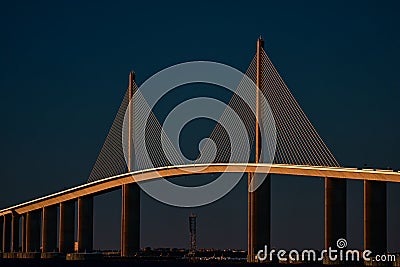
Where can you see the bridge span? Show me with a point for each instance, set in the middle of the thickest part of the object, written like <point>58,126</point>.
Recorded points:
<point>115,182</point>
<point>38,217</point>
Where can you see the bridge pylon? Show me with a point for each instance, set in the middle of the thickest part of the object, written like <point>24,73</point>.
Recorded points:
<point>130,214</point>
<point>259,201</point>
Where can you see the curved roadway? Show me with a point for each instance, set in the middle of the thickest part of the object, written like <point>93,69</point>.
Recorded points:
<point>113,183</point>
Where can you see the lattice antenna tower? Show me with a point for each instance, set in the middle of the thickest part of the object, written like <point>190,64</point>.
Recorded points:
<point>192,231</point>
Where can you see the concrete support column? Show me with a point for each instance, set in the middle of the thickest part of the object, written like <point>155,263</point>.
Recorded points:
<point>67,226</point>
<point>1,233</point>
<point>130,220</point>
<point>259,217</point>
<point>23,232</point>
<point>85,224</point>
<point>7,233</point>
<point>15,232</point>
<point>335,211</point>
<point>33,219</point>
<point>375,217</point>
<point>263,211</point>
<point>49,229</point>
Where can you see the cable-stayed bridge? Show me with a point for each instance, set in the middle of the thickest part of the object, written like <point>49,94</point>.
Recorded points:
<point>279,136</point>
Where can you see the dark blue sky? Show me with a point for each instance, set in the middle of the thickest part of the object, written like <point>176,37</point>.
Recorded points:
<point>64,68</point>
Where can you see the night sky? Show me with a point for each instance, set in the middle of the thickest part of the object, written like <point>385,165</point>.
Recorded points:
<point>64,69</point>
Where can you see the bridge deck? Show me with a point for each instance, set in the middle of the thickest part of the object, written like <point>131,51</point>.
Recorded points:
<point>114,182</point>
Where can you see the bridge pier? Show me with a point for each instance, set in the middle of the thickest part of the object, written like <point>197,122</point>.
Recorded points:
<point>85,224</point>
<point>6,233</point>
<point>1,233</point>
<point>375,217</point>
<point>335,211</point>
<point>67,225</point>
<point>259,218</point>
<point>33,231</point>
<point>49,229</point>
<point>130,219</point>
<point>15,232</point>
<point>23,232</point>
